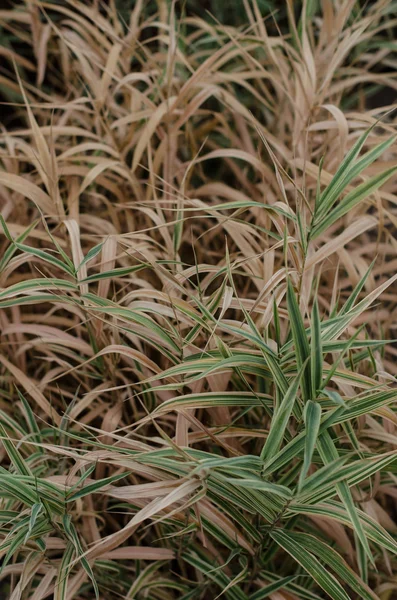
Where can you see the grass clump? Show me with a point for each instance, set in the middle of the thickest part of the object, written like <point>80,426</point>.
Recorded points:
<point>198,301</point>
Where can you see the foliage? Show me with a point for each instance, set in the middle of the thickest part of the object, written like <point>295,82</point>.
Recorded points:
<point>197,301</point>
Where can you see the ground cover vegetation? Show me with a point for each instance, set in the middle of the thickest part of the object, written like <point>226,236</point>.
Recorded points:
<point>198,300</point>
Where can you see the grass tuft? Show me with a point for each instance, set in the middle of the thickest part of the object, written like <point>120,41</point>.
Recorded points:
<point>198,300</point>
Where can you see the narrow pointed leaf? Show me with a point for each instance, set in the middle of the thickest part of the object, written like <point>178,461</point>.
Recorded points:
<point>310,563</point>
<point>312,418</point>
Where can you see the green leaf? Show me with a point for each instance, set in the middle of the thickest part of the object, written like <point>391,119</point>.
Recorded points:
<point>333,509</point>
<point>272,587</point>
<point>344,174</point>
<point>15,543</point>
<point>9,253</point>
<point>316,351</point>
<point>31,421</point>
<point>355,293</point>
<point>261,485</point>
<point>61,584</point>
<point>95,487</point>
<point>312,418</point>
<point>353,473</point>
<point>33,284</point>
<point>310,563</point>
<point>107,307</point>
<point>352,199</point>
<point>71,533</point>
<point>114,273</point>
<point>89,470</point>
<point>301,592</point>
<point>14,486</point>
<point>46,257</point>
<point>90,255</point>
<point>328,454</point>
<point>320,478</point>
<point>5,229</point>
<point>36,510</point>
<point>14,455</point>
<point>280,420</point>
<point>212,399</point>
<point>300,339</point>
<point>215,575</point>
<point>327,554</point>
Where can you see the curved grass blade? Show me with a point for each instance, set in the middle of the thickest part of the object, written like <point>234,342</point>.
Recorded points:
<point>310,563</point>
<point>334,560</point>
<point>312,418</point>
<point>281,418</point>
<point>300,339</point>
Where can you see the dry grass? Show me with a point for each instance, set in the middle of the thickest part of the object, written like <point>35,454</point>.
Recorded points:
<point>193,373</point>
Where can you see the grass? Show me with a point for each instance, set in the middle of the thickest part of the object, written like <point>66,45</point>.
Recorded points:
<point>198,301</point>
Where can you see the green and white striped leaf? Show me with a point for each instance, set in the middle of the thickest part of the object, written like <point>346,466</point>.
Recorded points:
<point>310,563</point>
